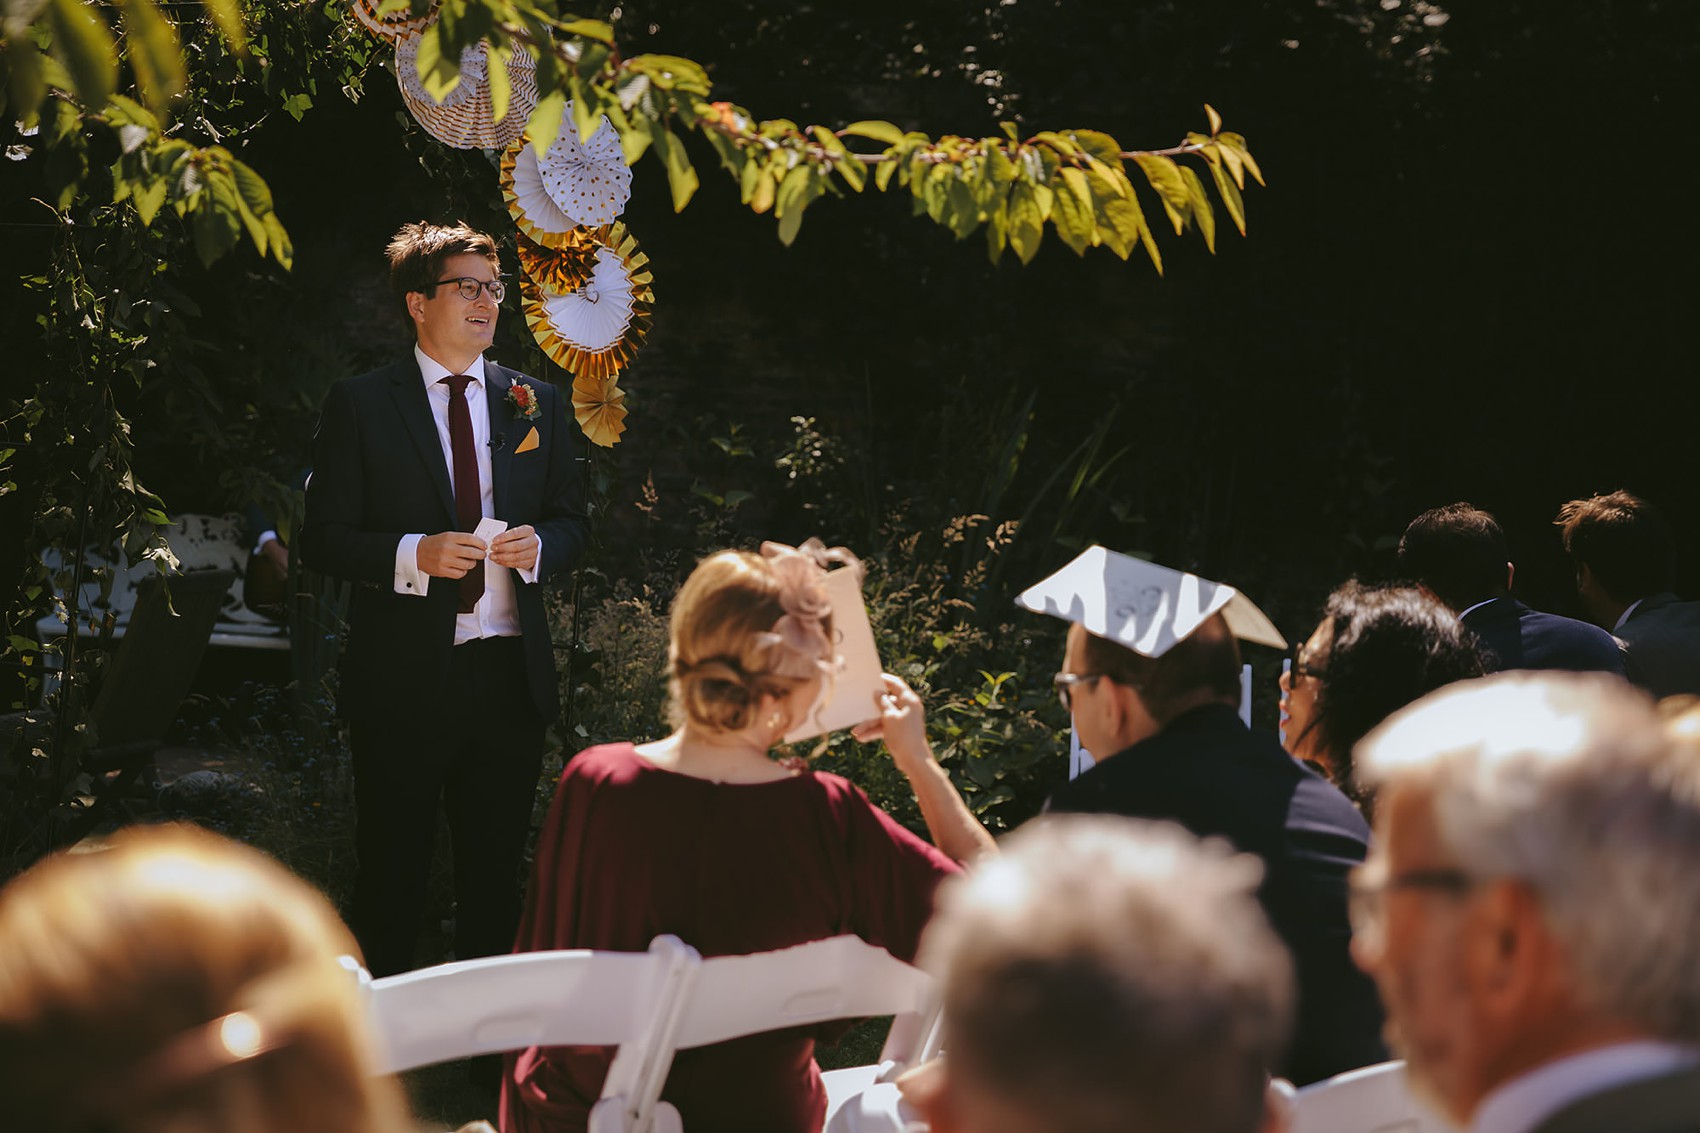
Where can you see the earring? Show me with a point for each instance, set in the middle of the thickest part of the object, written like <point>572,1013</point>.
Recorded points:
<point>775,720</point>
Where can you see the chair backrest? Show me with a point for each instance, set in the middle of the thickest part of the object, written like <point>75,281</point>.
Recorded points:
<point>499,1003</point>
<point>154,667</point>
<point>1371,1100</point>
<point>842,977</point>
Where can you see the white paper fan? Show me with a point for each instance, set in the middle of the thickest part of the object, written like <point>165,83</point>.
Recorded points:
<point>590,181</point>
<point>597,314</point>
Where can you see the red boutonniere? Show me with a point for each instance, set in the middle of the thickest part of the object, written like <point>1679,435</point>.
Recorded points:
<point>523,399</point>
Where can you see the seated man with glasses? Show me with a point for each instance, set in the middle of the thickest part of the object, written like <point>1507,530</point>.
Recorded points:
<point>1531,910</point>
<point>1152,679</point>
<point>448,488</point>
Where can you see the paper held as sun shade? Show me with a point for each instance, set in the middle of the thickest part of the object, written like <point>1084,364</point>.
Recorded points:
<point>849,698</point>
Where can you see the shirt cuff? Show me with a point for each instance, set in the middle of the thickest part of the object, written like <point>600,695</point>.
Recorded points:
<point>409,579</point>
<point>531,575</point>
<point>265,537</point>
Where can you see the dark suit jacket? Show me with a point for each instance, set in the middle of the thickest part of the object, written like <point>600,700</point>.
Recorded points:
<point>1661,642</point>
<point>1516,637</point>
<point>379,473</point>
<point>1209,773</point>
<point>1667,1104</point>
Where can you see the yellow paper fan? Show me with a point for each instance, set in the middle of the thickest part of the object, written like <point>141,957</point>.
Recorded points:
<point>596,330</point>
<point>599,404</point>
<point>465,119</point>
<point>392,26</point>
<point>561,268</point>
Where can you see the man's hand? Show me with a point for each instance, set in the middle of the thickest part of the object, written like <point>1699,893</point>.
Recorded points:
<point>449,554</point>
<point>274,550</point>
<point>516,547</point>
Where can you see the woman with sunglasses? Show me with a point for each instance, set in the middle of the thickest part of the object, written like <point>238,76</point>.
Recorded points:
<point>705,835</point>
<point>1377,649</point>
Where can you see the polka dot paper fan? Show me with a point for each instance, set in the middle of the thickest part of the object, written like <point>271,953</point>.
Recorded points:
<point>588,181</point>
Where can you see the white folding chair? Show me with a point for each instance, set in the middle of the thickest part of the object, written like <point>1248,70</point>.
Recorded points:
<point>843,977</point>
<point>1371,1100</point>
<point>629,1000</point>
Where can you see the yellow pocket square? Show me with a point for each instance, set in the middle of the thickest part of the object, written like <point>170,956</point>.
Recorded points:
<point>529,443</point>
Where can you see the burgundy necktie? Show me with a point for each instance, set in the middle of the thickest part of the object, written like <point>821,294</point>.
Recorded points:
<point>469,507</point>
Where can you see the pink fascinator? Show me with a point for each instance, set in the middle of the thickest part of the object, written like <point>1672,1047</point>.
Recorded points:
<point>799,636</point>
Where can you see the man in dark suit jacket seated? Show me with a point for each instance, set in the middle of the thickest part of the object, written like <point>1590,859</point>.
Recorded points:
<point>1169,744</point>
<point>1625,574</point>
<point>1531,907</point>
<point>1458,554</point>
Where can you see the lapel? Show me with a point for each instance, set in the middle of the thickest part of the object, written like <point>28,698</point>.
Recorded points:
<point>506,427</point>
<point>407,388</point>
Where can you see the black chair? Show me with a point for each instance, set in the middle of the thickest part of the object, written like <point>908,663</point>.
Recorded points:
<point>144,685</point>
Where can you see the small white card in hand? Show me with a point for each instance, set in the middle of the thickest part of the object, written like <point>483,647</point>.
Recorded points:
<point>850,697</point>
<point>488,529</point>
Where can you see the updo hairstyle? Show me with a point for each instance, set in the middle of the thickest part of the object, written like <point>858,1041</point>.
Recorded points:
<point>725,652</point>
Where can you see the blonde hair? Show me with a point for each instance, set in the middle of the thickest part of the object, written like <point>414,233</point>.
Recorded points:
<point>117,968</point>
<point>724,653</point>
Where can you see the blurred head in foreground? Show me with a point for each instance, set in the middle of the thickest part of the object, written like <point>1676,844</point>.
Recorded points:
<point>179,981</point>
<point>1106,974</point>
<point>1534,893</point>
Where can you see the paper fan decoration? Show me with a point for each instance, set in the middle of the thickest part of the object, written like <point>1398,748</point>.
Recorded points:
<point>393,26</point>
<point>463,118</point>
<point>596,330</point>
<point>564,267</point>
<point>589,182</point>
<point>532,209</point>
<point>599,404</point>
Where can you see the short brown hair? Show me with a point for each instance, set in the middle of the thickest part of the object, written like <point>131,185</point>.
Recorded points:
<point>1206,659</point>
<point>109,959</point>
<point>1107,973</point>
<point>1458,552</point>
<point>1623,541</point>
<point>722,657</point>
<point>418,251</point>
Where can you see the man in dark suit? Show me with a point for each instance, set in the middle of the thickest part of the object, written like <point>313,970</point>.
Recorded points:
<point>1169,744</point>
<point>1458,554</point>
<point>448,681</point>
<point>1531,907</point>
<point>1625,562</point>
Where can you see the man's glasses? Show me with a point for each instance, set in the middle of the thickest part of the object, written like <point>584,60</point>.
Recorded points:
<point>1064,684</point>
<point>469,287</point>
<point>1366,903</point>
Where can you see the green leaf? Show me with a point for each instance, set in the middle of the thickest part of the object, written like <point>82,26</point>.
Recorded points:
<point>590,29</point>
<point>227,14</point>
<point>496,68</point>
<point>997,226</point>
<point>283,250</point>
<point>1097,144</point>
<point>875,131</point>
<point>545,121</point>
<point>1058,143</point>
<point>1026,222</point>
<point>791,189</point>
<point>1230,197</point>
<point>813,187</point>
<point>256,194</point>
<point>1231,159</point>
<point>767,184</point>
<point>587,119</point>
<point>681,175</point>
<point>84,43</point>
<point>883,174</point>
<point>1145,233</point>
<point>1118,221</point>
<point>1165,177</point>
<point>1072,213</point>
<point>637,135</point>
<point>148,197</point>
<point>962,208</point>
<point>439,70</point>
<point>153,53</point>
<point>1202,212</point>
<point>754,168</point>
<point>1215,119</point>
<point>25,72</point>
<point>671,72</point>
<point>999,166</point>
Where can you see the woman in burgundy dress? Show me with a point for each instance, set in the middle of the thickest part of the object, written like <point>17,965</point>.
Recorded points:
<point>705,836</point>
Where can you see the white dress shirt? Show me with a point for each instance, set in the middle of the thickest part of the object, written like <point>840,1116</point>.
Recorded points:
<point>496,614</point>
<point>1522,1104</point>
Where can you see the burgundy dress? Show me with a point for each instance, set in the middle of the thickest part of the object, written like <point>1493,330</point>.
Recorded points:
<point>631,850</point>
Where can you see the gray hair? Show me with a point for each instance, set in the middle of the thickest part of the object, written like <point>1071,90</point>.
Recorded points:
<point>1572,785</point>
<point>1108,973</point>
